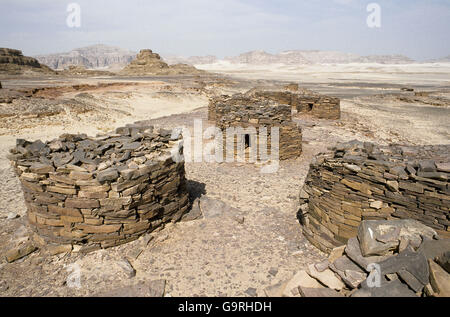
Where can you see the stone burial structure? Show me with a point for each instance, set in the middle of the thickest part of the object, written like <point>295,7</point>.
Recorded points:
<point>253,121</point>
<point>301,101</point>
<point>358,181</point>
<point>104,191</point>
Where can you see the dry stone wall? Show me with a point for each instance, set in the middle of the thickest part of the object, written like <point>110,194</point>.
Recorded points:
<point>323,107</point>
<point>104,191</point>
<point>302,101</point>
<point>359,181</point>
<point>247,113</point>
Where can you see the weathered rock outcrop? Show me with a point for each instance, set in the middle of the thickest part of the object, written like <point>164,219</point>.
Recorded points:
<point>104,191</point>
<point>12,62</point>
<point>149,63</point>
<point>82,71</point>
<point>359,181</point>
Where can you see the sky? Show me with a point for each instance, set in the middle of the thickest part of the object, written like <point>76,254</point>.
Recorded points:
<point>419,29</point>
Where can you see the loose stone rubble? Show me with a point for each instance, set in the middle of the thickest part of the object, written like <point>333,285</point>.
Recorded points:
<point>104,191</point>
<point>407,271</point>
<point>359,181</point>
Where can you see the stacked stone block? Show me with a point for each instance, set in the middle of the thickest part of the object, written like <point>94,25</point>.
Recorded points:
<point>104,191</point>
<point>359,181</point>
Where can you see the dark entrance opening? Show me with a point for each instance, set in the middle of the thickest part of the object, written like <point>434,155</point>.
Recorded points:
<point>310,106</point>
<point>247,140</point>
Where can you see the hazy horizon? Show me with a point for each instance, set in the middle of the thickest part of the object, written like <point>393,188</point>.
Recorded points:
<point>417,29</point>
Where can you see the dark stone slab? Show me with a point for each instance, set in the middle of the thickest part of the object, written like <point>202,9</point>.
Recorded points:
<point>444,261</point>
<point>37,147</point>
<point>432,249</point>
<point>318,292</point>
<point>388,289</point>
<point>411,281</point>
<point>195,212</point>
<point>408,260</point>
<point>131,146</point>
<point>427,166</point>
<point>109,174</point>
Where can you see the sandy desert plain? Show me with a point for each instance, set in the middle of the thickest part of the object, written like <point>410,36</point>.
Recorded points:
<point>233,254</point>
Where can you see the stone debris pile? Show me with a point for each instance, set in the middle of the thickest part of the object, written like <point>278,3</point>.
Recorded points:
<point>104,191</point>
<point>358,181</point>
<point>400,258</point>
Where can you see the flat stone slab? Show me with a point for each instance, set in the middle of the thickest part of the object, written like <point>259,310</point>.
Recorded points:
<point>194,213</point>
<point>390,289</point>
<point>432,249</point>
<point>411,280</point>
<point>439,279</point>
<point>336,253</point>
<point>301,279</point>
<point>214,208</point>
<point>408,260</point>
<point>20,252</point>
<point>327,278</point>
<point>348,271</point>
<point>318,292</point>
<point>382,237</point>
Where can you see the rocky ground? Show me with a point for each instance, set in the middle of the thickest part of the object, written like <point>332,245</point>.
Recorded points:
<point>250,241</point>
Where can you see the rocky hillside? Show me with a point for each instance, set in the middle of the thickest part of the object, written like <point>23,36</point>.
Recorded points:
<point>90,57</point>
<point>149,63</point>
<point>12,62</point>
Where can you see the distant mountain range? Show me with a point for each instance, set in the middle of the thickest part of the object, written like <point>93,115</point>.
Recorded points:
<point>193,60</point>
<point>115,58</point>
<point>296,58</point>
<point>91,57</point>
<point>442,60</point>
<point>315,57</point>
